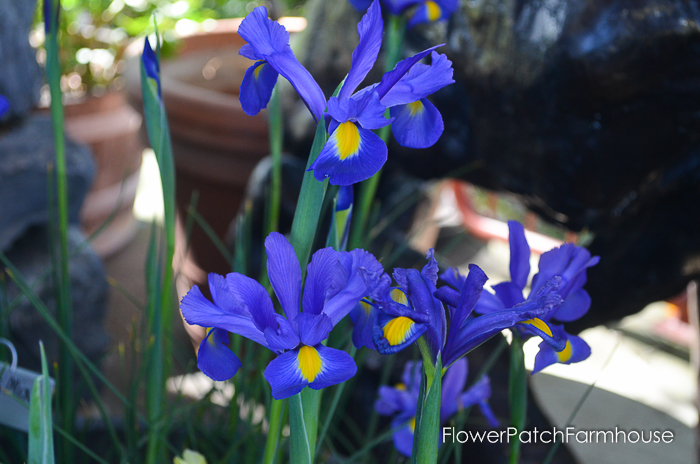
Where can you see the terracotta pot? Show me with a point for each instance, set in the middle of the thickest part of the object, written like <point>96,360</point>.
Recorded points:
<point>111,128</point>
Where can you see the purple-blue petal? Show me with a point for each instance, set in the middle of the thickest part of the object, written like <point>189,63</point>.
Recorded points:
<point>284,272</point>
<point>356,277</point>
<point>363,317</point>
<point>286,378</point>
<point>390,78</point>
<point>519,254</point>
<point>257,86</point>
<point>270,41</point>
<point>360,5</point>
<point>412,332</point>
<point>284,337</point>
<point>423,14</point>
<point>453,383</point>
<point>371,114</point>
<point>198,310</point>
<point>488,303</point>
<point>403,437</point>
<point>470,294</point>
<point>313,328</point>
<point>453,277</point>
<point>149,60</point>
<point>4,106</point>
<point>319,275</point>
<point>214,358</point>
<point>255,299</point>
<point>416,125</point>
<point>370,29</point>
<point>579,350</point>
<point>509,293</point>
<point>343,168</point>
<point>421,81</point>
<point>575,306</point>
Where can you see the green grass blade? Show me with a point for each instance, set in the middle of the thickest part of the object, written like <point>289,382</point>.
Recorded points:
<point>40,422</point>
<point>517,393</point>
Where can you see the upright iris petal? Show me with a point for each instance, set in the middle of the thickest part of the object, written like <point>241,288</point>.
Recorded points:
<point>336,281</point>
<point>268,41</point>
<point>401,401</point>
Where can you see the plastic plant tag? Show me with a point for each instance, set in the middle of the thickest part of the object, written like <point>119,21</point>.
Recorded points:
<point>15,390</point>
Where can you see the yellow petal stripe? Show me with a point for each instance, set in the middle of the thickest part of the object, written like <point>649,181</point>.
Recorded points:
<point>257,70</point>
<point>210,339</point>
<point>416,107</point>
<point>347,139</point>
<point>399,296</point>
<point>397,330</point>
<point>539,324</point>
<point>565,354</point>
<point>434,10</point>
<point>412,424</point>
<point>309,363</point>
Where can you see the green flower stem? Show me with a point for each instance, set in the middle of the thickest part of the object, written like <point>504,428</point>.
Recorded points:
<point>64,310</point>
<point>368,188</point>
<point>517,393</point>
<point>303,407</point>
<point>273,434</point>
<point>427,426</point>
<point>160,294</point>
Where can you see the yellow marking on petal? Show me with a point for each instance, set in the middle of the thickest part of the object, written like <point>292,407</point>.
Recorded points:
<point>400,386</point>
<point>539,324</point>
<point>434,10</point>
<point>257,70</point>
<point>399,296</point>
<point>347,139</point>
<point>396,330</point>
<point>366,306</point>
<point>412,424</point>
<point>309,362</point>
<point>565,354</point>
<point>416,107</point>
<point>210,339</point>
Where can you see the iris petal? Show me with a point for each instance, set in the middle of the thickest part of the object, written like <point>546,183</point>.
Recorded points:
<point>269,41</point>
<point>420,81</point>
<point>392,334</point>
<point>255,299</point>
<point>574,306</point>
<point>576,350</point>
<point>257,86</point>
<point>214,358</point>
<point>313,328</point>
<point>314,366</point>
<point>284,272</point>
<point>519,254</point>
<point>351,155</point>
<point>319,275</point>
<point>4,105</point>
<point>363,317</point>
<point>197,310</point>
<point>370,29</point>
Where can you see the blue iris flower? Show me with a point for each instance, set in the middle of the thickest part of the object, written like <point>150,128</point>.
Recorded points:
<point>335,282</point>
<point>425,12</point>
<point>353,152</point>
<point>415,308</point>
<point>4,106</point>
<point>401,401</point>
<point>569,262</point>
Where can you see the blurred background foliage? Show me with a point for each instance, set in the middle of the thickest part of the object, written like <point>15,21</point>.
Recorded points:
<point>96,33</point>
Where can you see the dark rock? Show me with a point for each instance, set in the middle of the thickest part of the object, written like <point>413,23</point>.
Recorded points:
<point>25,155</point>
<point>590,111</point>
<point>30,255</point>
<point>20,75</point>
